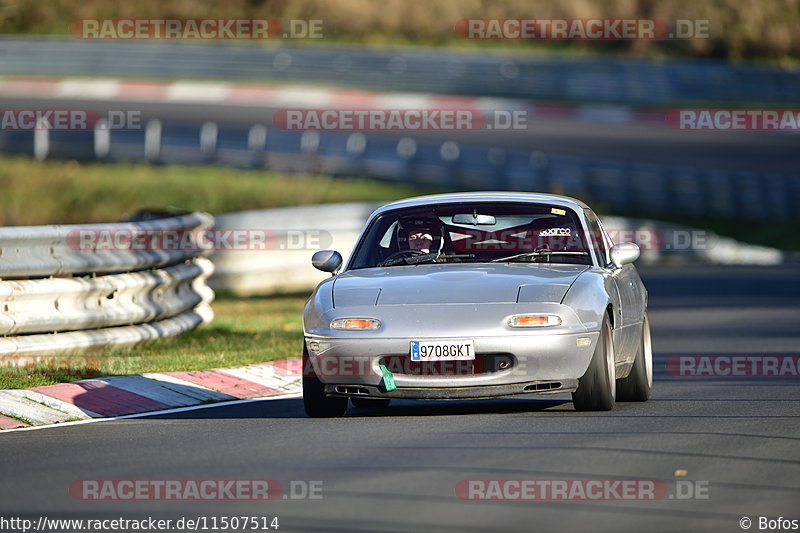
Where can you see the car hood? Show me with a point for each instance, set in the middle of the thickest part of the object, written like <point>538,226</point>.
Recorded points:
<point>452,284</point>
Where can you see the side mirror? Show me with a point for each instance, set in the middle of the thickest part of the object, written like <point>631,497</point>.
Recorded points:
<point>327,260</point>
<point>624,253</point>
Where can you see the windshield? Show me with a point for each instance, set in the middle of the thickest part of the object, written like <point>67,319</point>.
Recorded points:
<point>474,232</point>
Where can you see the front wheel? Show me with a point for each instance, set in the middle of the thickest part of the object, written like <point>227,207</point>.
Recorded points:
<point>597,387</point>
<point>639,383</point>
<point>315,402</point>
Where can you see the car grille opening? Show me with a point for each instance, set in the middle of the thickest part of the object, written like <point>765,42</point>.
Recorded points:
<point>543,386</point>
<point>353,391</point>
<point>482,364</point>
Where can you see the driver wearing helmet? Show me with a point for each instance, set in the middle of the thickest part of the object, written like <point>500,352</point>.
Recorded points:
<point>421,234</point>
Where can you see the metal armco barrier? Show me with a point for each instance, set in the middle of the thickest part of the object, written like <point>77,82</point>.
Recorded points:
<point>286,266</point>
<point>59,296</point>
<point>46,250</point>
<point>59,304</point>
<point>596,78</point>
<point>78,341</point>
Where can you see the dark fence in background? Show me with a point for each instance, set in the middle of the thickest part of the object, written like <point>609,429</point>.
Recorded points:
<point>644,82</point>
<point>623,187</point>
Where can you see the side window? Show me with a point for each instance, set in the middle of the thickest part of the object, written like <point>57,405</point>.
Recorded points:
<point>599,239</point>
<point>606,236</point>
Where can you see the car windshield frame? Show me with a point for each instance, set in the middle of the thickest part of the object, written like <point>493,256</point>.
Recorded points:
<point>384,220</point>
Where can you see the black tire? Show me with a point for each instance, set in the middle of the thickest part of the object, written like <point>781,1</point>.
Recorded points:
<point>370,403</point>
<point>597,387</point>
<point>639,383</point>
<point>315,402</point>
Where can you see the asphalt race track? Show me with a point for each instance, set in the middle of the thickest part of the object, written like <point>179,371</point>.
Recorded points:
<point>736,438</point>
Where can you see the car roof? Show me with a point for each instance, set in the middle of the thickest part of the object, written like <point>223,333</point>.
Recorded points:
<point>450,198</point>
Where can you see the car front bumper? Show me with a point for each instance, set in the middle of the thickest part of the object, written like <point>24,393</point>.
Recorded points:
<point>531,360</point>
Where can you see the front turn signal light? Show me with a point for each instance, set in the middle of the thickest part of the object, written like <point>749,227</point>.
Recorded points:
<point>356,323</point>
<point>534,321</point>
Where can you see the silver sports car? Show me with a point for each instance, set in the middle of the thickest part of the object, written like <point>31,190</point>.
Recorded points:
<point>478,295</point>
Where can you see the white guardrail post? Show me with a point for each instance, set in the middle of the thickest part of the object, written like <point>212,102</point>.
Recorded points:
<point>59,294</point>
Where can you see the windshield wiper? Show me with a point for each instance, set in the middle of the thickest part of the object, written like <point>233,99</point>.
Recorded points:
<point>416,259</point>
<point>424,258</point>
<point>439,258</point>
<point>409,259</point>
<point>536,253</point>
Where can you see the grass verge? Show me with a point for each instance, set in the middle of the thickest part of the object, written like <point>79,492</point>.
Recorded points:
<point>58,192</point>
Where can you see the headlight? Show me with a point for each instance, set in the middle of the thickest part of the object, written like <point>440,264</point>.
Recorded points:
<point>355,323</point>
<point>534,321</point>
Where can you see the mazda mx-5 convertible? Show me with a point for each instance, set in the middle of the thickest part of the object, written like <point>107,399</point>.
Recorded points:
<point>478,295</point>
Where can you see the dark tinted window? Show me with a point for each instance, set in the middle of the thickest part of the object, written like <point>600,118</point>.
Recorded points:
<point>476,232</point>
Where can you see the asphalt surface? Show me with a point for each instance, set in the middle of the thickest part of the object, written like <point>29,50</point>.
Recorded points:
<point>396,470</point>
<point>648,143</point>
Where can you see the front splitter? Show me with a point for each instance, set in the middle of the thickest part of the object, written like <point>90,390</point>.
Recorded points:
<point>453,393</point>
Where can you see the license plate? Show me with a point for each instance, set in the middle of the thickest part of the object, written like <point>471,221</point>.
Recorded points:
<point>443,350</point>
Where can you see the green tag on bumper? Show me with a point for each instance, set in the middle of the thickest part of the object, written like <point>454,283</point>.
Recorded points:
<point>388,379</point>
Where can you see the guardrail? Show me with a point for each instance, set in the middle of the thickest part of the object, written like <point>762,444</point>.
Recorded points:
<point>621,186</point>
<point>59,295</point>
<point>286,266</point>
<point>632,81</point>
<point>48,251</point>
